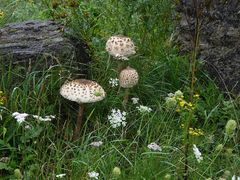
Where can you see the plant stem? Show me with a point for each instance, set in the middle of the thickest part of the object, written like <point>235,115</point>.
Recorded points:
<point>125,98</point>
<point>120,66</point>
<point>193,81</point>
<point>79,122</point>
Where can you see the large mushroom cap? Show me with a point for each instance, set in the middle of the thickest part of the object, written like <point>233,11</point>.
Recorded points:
<point>82,91</point>
<point>120,47</point>
<point>128,77</point>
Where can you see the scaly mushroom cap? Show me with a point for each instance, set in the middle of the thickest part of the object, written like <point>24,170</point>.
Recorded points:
<point>82,91</point>
<point>120,47</point>
<point>128,77</point>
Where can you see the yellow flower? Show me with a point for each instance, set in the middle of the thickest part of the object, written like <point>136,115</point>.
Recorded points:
<point>2,98</point>
<point>1,14</point>
<point>190,104</point>
<point>196,96</point>
<point>178,110</point>
<point>195,132</point>
<point>182,103</point>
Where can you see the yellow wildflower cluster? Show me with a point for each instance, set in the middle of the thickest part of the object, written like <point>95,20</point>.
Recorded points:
<point>1,14</point>
<point>182,104</point>
<point>2,98</point>
<point>177,101</point>
<point>194,131</point>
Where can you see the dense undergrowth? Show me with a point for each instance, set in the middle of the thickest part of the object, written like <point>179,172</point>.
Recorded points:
<point>36,149</point>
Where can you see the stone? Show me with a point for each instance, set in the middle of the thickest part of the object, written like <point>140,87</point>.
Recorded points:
<point>42,44</point>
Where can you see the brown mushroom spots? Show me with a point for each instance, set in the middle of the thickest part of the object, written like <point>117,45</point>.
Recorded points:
<point>120,47</point>
<point>82,91</point>
<point>128,77</point>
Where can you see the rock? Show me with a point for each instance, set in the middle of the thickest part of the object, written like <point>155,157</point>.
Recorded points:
<point>41,44</point>
<point>219,39</point>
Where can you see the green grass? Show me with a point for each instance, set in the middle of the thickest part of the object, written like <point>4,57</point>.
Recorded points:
<point>46,149</point>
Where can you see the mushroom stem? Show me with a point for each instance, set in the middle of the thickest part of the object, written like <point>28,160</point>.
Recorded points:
<point>125,98</point>
<point>108,62</point>
<point>79,122</point>
<point>120,66</point>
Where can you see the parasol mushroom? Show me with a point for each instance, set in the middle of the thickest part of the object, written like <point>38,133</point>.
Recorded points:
<point>82,91</point>
<point>128,78</point>
<point>120,47</point>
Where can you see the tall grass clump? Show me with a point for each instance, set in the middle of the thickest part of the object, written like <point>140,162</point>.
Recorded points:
<point>176,123</point>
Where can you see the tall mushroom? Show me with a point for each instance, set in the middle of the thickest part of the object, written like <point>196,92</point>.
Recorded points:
<point>128,78</point>
<point>82,91</point>
<point>120,47</point>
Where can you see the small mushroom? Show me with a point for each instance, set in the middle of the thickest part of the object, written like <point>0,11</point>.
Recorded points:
<point>82,91</point>
<point>120,47</point>
<point>128,78</point>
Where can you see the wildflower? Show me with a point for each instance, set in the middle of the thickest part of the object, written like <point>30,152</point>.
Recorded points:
<point>117,118</point>
<point>116,171</point>
<point>46,118</point>
<point>170,102</point>
<point>226,174</point>
<point>229,152</point>
<point>2,98</point>
<point>171,95</point>
<point>178,110</point>
<point>195,132</point>
<point>93,175</point>
<point>190,104</point>
<point>154,147</point>
<point>96,143</point>
<point>114,82</point>
<point>219,147</point>
<point>18,174</point>
<point>178,94</point>
<point>20,117</point>
<point>182,103</point>
<point>235,177</point>
<point>230,127</point>
<point>196,96</point>
<point>197,153</point>
<point>135,100</point>
<point>167,176</point>
<point>27,127</point>
<point>60,175</point>
<point>144,109</point>
<point>1,14</point>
